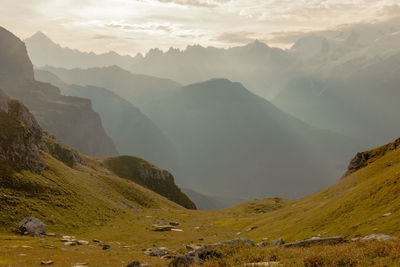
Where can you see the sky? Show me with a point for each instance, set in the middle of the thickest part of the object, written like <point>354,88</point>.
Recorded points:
<point>132,26</point>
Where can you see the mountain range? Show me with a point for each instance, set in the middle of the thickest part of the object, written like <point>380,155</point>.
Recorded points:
<point>70,119</point>
<point>132,131</point>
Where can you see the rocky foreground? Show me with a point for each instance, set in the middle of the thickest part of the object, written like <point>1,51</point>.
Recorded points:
<point>197,254</point>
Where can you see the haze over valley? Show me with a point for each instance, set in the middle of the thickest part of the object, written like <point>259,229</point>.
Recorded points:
<point>143,138</point>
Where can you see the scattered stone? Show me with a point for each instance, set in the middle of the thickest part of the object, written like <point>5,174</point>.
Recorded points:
<point>96,241</point>
<point>69,237</point>
<point>134,264</point>
<point>176,230</point>
<point>32,225</point>
<point>126,205</point>
<point>185,260</point>
<point>49,262</point>
<point>51,235</point>
<point>82,242</point>
<point>125,246</point>
<point>355,239</point>
<point>194,247</point>
<point>69,243</point>
<point>387,214</point>
<point>251,228</point>
<point>106,247</point>
<point>162,228</point>
<point>160,222</point>
<point>379,237</point>
<point>193,256</point>
<point>277,242</point>
<point>200,238</point>
<point>22,255</point>
<point>24,246</point>
<point>49,246</point>
<point>159,252</point>
<point>80,264</point>
<point>238,233</point>
<point>174,223</point>
<point>316,241</point>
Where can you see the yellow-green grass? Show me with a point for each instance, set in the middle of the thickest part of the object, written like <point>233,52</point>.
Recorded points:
<point>364,254</point>
<point>85,201</point>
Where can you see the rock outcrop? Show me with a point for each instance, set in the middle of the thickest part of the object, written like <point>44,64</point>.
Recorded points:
<point>33,226</point>
<point>362,159</point>
<point>149,176</point>
<point>315,241</point>
<point>70,119</point>
<point>20,137</point>
<point>22,141</point>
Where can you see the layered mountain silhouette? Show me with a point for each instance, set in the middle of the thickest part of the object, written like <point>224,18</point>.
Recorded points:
<point>35,168</point>
<point>132,131</point>
<point>355,68</point>
<point>259,67</point>
<point>140,90</point>
<point>70,119</point>
<point>234,143</point>
<point>44,51</point>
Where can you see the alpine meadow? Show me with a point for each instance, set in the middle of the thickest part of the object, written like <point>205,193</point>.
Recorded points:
<point>180,133</point>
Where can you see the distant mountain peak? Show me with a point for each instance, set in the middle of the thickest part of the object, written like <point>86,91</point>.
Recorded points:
<point>258,44</point>
<point>40,36</point>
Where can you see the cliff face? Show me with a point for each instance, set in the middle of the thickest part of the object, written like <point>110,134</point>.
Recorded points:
<point>146,174</point>
<point>70,119</point>
<point>20,137</point>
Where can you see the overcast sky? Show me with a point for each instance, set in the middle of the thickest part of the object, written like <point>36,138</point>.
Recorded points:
<point>131,26</point>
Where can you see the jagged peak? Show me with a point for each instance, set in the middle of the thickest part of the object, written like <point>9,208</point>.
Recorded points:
<point>40,36</point>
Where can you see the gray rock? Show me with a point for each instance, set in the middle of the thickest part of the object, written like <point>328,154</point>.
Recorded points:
<point>160,222</point>
<point>32,225</point>
<point>316,241</point>
<point>106,247</point>
<point>82,242</point>
<point>158,252</point>
<point>162,228</point>
<point>174,223</point>
<point>379,237</point>
<point>133,264</point>
<point>185,260</point>
<point>277,242</point>
<point>49,262</point>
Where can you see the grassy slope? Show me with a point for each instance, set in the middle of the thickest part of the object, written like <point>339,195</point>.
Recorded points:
<point>92,194</point>
<point>131,167</point>
<point>353,206</point>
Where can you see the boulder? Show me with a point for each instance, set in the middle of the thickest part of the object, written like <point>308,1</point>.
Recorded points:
<point>277,242</point>
<point>174,223</point>
<point>316,241</point>
<point>162,228</point>
<point>156,252</point>
<point>379,237</point>
<point>133,264</point>
<point>185,260</point>
<point>32,225</point>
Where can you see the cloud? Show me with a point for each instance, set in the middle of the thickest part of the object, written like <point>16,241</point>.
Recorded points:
<point>103,36</point>
<point>149,27</point>
<point>195,3</point>
<point>391,11</point>
<point>242,37</point>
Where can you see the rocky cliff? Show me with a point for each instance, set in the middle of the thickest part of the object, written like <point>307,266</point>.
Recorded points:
<point>20,137</point>
<point>70,119</point>
<point>146,174</point>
